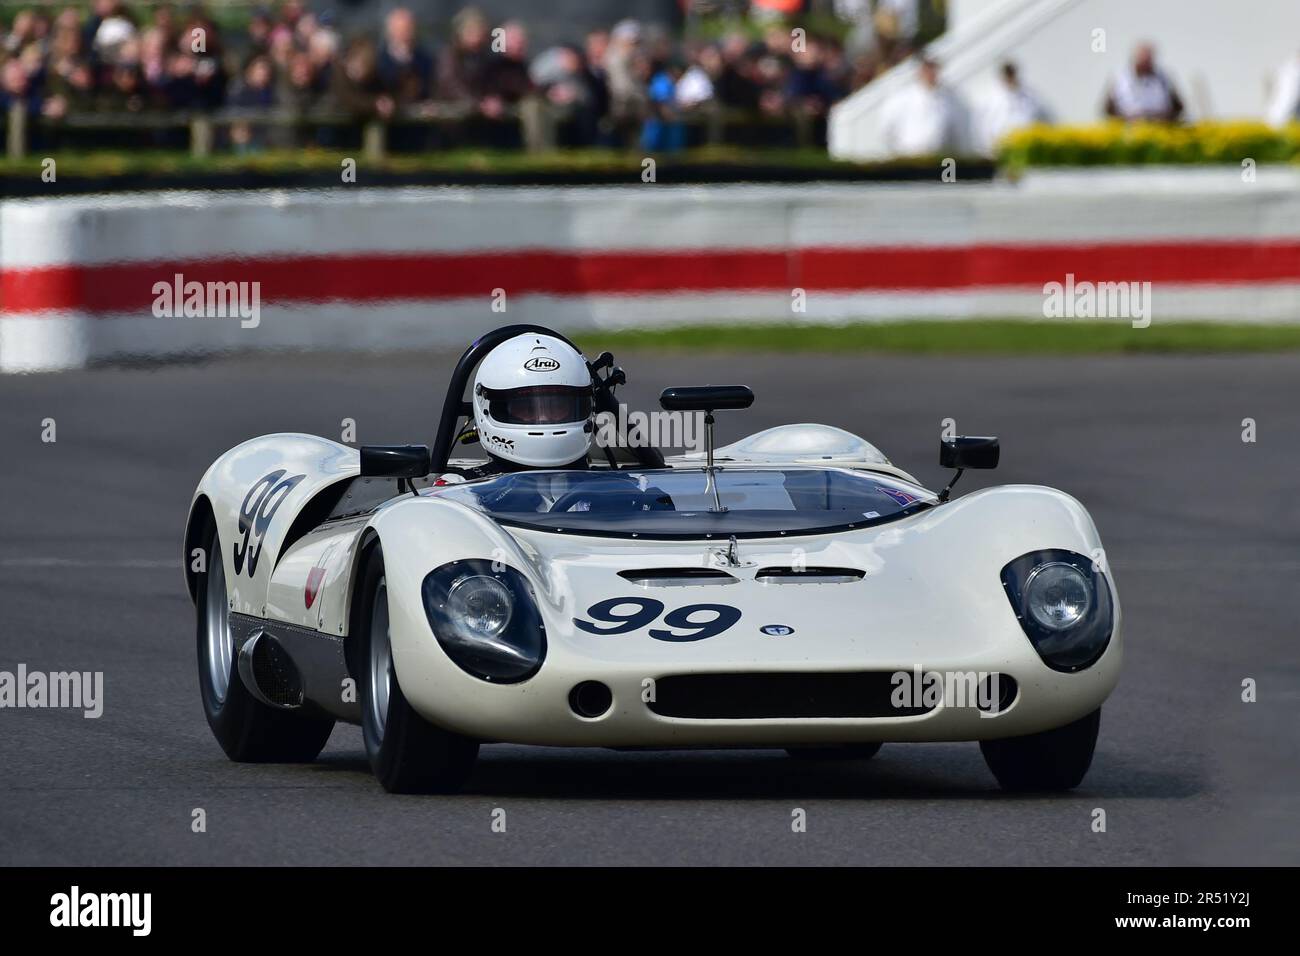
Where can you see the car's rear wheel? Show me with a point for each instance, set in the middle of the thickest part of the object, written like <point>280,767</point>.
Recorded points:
<point>247,729</point>
<point>843,752</point>
<point>407,753</point>
<point>1052,760</point>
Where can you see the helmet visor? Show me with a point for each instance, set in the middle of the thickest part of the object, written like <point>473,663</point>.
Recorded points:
<point>539,405</point>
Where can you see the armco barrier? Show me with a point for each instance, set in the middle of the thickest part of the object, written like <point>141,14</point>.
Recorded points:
<point>403,268</point>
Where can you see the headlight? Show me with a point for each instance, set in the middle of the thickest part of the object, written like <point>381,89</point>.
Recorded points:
<point>1057,595</point>
<point>479,606</point>
<point>1064,605</point>
<point>485,619</point>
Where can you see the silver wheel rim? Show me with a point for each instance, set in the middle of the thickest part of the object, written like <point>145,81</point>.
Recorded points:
<point>381,659</point>
<point>220,644</point>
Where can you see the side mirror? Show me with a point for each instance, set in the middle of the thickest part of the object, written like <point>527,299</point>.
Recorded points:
<point>394,461</point>
<point>965,452</point>
<point>969,452</point>
<point>705,398</point>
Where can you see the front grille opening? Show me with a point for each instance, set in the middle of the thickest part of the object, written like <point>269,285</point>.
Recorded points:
<point>808,575</point>
<point>778,696</point>
<point>677,577</point>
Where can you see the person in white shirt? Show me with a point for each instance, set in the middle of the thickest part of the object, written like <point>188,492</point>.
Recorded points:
<point>696,85</point>
<point>925,118</point>
<point>1011,107</point>
<point>1285,105</point>
<point>1142,92</point>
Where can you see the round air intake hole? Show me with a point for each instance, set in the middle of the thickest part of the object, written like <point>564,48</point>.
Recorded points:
<point>590,699</point>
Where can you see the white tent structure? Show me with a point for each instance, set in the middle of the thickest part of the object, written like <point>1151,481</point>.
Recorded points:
<point>1222,55</point>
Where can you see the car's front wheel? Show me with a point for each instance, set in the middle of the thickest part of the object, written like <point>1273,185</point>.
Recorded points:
<point>407,753</point>
<point>247,729</point>
<point>1055,759</point>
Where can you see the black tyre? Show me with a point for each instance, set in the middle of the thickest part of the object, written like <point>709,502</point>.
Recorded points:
<point>843,752</point>
<point>407,753</point>
<point>1052,760</point>
<point>247,729</point>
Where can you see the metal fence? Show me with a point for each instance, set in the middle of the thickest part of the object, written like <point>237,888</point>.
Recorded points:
<point>532,125</point>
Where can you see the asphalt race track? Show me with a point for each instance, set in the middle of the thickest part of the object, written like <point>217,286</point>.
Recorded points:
<point>1202,532</point>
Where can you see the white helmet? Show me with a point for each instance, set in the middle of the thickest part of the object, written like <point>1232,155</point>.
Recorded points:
<point>532,402</point>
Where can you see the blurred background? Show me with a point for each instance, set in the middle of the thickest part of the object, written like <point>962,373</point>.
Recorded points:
<point>142,83</point>
<point>434,75</point>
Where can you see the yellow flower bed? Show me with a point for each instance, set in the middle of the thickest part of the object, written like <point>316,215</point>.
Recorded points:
<point>1118,143</point>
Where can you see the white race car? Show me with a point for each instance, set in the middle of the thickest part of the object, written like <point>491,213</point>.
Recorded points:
<point>794,590</point>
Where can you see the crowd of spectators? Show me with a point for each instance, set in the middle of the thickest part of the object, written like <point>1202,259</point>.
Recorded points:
<point>626,85</point>
<point>632,84</point>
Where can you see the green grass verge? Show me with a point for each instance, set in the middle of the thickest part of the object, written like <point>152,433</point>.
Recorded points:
<point>158,162</point>
<point>969,337</point>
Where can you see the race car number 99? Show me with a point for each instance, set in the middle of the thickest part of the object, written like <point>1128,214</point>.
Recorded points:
<point>259,507</point>
<point>647,610</point>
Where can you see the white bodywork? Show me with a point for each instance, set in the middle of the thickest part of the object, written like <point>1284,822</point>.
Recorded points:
<point>930,599</point>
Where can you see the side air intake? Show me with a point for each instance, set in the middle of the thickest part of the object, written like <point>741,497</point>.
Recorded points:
<point>269,672</point>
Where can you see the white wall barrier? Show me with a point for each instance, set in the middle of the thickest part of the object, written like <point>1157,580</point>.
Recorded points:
<point>91,279</point>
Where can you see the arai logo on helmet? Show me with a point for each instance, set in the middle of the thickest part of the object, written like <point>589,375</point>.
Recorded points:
<point>541,363</point>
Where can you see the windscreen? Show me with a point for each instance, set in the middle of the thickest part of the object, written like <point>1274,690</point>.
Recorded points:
<point>677,503</point>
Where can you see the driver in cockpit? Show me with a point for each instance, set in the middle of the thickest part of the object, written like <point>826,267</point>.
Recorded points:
<point>533,405</point>
<point>532,402</point>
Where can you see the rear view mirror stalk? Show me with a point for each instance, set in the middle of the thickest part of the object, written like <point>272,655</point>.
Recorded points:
<point>710,479</point>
